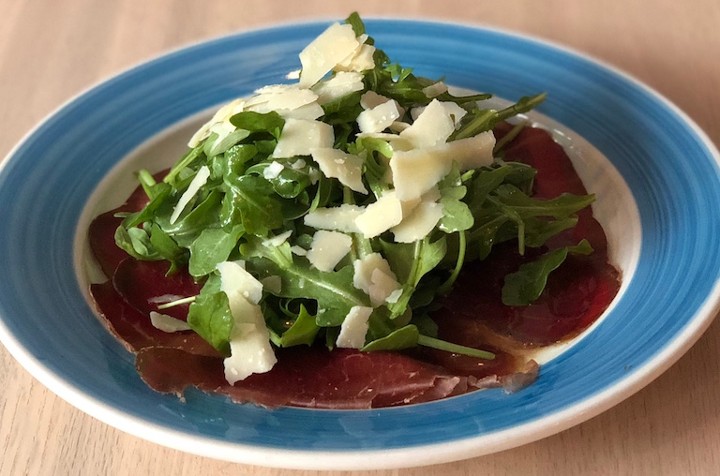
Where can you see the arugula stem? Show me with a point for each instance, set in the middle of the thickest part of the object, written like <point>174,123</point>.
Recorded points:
<point>525,104</point>
<point>433,343</point>
<point>147,181</point>
<point>509,137</point>
<point>467,175</point>
<point>513,215</point>
<point>187,159</point>
<point>476,125</point>
<point>361,245</point>
<point>462,246</point>
<point>177,302</point>
<point>487,119</point>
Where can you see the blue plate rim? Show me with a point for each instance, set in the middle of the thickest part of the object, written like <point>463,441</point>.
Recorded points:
<point>467,447</point>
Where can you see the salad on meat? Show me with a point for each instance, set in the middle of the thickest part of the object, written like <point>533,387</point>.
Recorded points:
<point>334,213</point>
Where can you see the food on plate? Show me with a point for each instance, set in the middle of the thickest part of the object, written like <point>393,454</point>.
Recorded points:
<point>361,237</point>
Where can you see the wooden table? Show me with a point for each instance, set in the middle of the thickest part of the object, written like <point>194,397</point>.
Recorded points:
<point>51,50</point>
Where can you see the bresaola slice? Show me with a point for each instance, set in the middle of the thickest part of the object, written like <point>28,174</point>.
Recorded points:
<point>145,285</point>
<point>101,237</point>
<point>135,330</point>
<point>576,294</point>
<point>308,377</point>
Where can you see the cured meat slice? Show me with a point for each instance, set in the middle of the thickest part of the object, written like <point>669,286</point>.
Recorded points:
<point>576,294</point>
<point>307,377</point>
<point>145,285</point>
<point>101,237</point>
<point>135,330</point>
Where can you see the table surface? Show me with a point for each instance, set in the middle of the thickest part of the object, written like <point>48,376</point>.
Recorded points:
<point>50,51</point>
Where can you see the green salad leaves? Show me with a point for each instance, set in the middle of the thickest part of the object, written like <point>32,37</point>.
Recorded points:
<point>249,191</point>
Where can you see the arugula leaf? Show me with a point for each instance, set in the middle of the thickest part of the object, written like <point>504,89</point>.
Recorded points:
<point>214,147</point>
<point>482,120</point>
<point>411,262</point>
<point>539,231</point>
<point>404,338</point>
<point>211,318</point>
<point>136,242</point>
<point>167,248</point>
<point>204,215</point>
<point>525,285</point>
<point>484,181</point>
<point>255,247</point>
<point>159,197</point>
<point>356,22</point>
<point>456,213</point>
<point>562,206</point>
<point>190,157</point>
<point>407,89</point>
<point>343,110</point>
<point>236,157</point>
<point>252,196</point>
<point>270,122</point>
<point>211,247</point>
<point>333,291</point>
<point>485,236</point>
<point>377,153</point>
<point>290,182</point>
<point>302,331</point>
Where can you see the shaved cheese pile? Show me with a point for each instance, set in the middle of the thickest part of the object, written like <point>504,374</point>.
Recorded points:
<point>422,155</point>
<point>383,168</point>
<point>421,158</point>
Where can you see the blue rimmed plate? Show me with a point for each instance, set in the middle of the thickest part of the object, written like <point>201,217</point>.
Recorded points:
<point>657,175</point>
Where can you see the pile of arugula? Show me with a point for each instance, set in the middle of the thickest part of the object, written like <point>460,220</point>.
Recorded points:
<point>238,211</point>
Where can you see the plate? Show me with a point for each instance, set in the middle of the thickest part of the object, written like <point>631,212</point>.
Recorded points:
<point>670,294</point>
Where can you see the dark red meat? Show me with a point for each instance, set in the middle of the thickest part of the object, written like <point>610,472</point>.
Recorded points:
<point>308,377</point>
<point>135,330</point>
<point>576,294</point>
<point>146,284</point>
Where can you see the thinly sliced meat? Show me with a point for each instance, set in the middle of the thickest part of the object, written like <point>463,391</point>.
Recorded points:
<point>307,377</point>
<point>135,330</point>
<point>459,364</point>
<point>575,296</point>
<point>145,285</point>
<point>101,237</point>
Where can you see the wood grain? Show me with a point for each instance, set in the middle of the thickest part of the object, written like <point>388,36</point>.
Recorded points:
<point>51,51</point>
